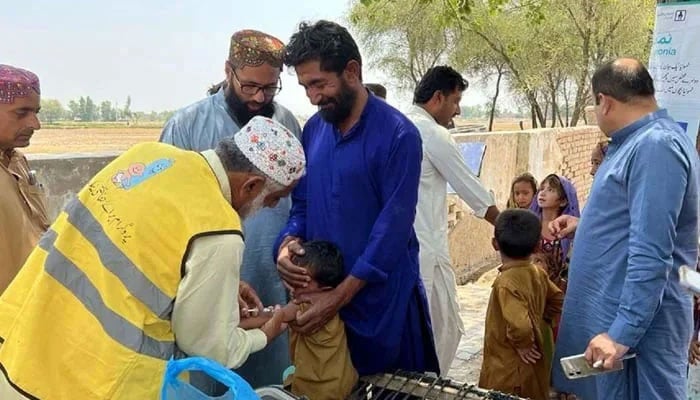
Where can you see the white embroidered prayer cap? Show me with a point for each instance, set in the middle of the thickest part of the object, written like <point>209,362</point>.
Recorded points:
<point>273,149</point>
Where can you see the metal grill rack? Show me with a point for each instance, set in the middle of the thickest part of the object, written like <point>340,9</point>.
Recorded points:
<point>403,385</point>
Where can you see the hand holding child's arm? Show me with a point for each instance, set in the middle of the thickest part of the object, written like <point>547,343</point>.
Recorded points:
<point>289,312</point>
<point>255,322</point>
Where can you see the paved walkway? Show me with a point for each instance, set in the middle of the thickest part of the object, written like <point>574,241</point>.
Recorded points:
<point>473,300</point>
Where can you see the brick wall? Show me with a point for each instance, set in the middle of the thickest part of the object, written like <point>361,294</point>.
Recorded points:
<point>576,149</point>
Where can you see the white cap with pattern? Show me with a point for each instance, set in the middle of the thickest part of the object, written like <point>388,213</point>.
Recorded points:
<point>273,149</point>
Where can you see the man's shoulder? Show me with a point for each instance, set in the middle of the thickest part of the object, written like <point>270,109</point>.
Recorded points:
<point>429,129</point>
<point>285,117</point>
<point>282,112</point>
<point>316,123</point>
<point>190,112</point>
<point>665,133</point>
<point>394,120</point>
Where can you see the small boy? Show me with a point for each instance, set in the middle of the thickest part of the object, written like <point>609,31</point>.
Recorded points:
<point>522,296</point>
<point>323,369</point>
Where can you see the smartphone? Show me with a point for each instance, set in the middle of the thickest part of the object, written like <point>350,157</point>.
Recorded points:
<point>576,367</point>
<point>689,279</point>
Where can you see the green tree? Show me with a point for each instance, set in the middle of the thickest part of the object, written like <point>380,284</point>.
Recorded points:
<point>472,112</point>
<point>74,109</point>
<point>107,112</point>
<point>52,110</point>
<point>545,50</point>
<point>126,112</point>
<point>401,37</point>
<point>91,113</point>
<point>82,108</point>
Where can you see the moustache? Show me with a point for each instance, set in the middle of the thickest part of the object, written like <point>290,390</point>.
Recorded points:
<point>327,102</point>
<point>255,104</point>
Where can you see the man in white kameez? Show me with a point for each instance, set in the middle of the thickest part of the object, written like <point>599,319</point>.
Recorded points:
<point>435,103</point>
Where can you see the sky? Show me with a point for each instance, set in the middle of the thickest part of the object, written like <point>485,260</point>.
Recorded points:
<point>162,53</point>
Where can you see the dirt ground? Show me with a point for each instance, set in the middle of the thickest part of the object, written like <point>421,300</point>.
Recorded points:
<point>89,140</point>
<point>100,139</point>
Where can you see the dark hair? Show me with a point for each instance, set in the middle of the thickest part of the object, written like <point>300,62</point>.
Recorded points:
<point>323,261</point>
<point>524,177</point>
<point>214,89</point>
<point>325,41</point>
<point>602,147</point>
<point>555,183</point>
<point>442,78</point>
<point>623,80</point>
<point>377,89</point>
<point>517,232</point>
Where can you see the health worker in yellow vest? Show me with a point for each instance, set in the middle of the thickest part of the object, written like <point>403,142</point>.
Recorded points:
<point>143,266</point>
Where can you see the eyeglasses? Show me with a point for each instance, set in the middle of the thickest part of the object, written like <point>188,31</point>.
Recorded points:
<point>252,89</point>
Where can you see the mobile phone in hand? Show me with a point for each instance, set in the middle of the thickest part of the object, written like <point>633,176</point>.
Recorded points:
<point>689,278</point>
<point>576,367</point>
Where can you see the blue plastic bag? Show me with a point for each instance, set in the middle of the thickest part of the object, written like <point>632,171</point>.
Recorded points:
<point>176,389</point>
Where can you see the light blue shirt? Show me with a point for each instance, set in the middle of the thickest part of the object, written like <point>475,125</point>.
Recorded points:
<point>639,225</point>
<point>199,127</point>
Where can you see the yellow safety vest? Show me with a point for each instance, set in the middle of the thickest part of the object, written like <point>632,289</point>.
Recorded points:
<point>88,317</point>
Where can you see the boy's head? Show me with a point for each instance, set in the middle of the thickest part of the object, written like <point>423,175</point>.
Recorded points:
<point>597,155</point>
<point>324,262</point>
<point>517,233</point>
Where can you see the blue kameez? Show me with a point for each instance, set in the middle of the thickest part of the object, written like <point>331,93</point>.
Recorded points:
<point>639,225</point>
<point>360,192</point>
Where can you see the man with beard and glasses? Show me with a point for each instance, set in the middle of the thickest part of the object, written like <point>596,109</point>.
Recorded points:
<point>22,202</point>
<point>252,81</point>
<point>144,265</point>
<point>360,192</point>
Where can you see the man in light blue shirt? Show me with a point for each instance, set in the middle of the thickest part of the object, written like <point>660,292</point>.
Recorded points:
<point>639,225</point>
<point>252,81</point>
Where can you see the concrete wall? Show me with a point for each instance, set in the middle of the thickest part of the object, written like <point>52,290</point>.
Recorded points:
<point>63,175</point>
<point>541,152</point>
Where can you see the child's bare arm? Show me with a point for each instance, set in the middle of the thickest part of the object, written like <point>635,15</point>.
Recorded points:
<point>255,322</point>
<point>290,312</point>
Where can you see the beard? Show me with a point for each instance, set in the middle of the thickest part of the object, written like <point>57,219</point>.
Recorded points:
<point>254,206</point>
<point>340,106</point>
<point>240,109</point>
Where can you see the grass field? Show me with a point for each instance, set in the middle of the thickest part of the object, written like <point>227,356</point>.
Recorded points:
<point>96,137</point>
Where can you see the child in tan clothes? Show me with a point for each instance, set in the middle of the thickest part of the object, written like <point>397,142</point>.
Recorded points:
<point>522,296</point>
<point>322,364</point>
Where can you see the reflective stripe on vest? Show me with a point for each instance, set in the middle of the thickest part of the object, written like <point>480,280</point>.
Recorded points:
<point>116,262</point>
<point>118,328</point>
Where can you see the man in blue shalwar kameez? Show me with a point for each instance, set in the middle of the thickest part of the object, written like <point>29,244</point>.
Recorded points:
<point>360,192</point>
<point>252,81</point>
<point>639,225</point>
